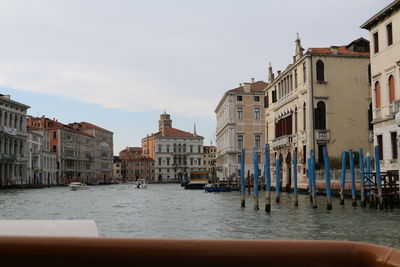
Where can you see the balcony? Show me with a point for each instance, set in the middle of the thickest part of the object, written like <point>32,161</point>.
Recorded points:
<point>282,141</point>
<point>5,157</point>
<point>322,135</point>
<point>394,108</point>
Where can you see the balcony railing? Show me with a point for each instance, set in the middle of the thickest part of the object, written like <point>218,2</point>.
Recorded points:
<point>6,157</point>
<point>322,135</point>
<point>282,141</point>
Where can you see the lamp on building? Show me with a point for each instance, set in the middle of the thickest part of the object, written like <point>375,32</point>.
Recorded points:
<point>397,119</point>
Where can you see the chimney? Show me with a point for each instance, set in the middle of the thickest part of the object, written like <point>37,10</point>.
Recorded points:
<point>279,72</point>
<point>252,80</point>
<point>246,87</point>
<point>240,84</point>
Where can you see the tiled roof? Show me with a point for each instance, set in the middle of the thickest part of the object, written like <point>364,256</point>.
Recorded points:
<point>88,125</point>
<point>173,132</point>
<point>336,50</point>
<point>258,86</point>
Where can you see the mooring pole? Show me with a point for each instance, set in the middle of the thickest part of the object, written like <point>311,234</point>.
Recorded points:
<point>309,178</point>
<point>362,174</point>
<point>353,178</point>
<point>343,182</point>
<point>378,177</point>
<point>249,181</point>
<point>314,183</point>
<point>277,179</point>
<point>368,163</point>
<point>255,164</point>
<point>327,179</point>
<point>296,191</point>
<point>267,172</point>
<point>243,183</point>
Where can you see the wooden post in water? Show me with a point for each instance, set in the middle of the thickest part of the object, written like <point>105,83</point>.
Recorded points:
<point>362,174</point>
<point>378,177</point>
<point>242,181</point>
<point>353,178</point>
<point>314,184</point>
<point>296,191</point>
<point>343,181</point>
<point>309,178</point>
<point>267,172</point>
<point>277,179</point>
<point>368,164</point>
<point>255,164</point>
<point>327,179</point>
<point>249,181</point>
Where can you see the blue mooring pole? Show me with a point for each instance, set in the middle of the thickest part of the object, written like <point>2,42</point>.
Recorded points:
<point>343,182</point>
<point>353,179</point>
<point>362,174</point>
<point>277,179</point>
<point>255,164</point>
<point>314,184</point>
<point>242,178</point>
<point>327,179</point>
<point>309,178</point>
<point>296,191</point>
<point>378,177</point>
<point>368,164</point>
<point>267,172</point>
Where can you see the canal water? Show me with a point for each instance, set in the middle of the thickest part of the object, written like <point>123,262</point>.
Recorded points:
<point>169,211</point>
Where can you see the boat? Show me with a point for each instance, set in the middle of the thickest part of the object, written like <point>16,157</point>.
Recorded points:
<point>140,183</point>
<point>215,188</point>
<point>78,186</point>
<point>197,180</point>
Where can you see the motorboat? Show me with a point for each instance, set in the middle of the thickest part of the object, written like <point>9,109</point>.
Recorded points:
<point>78,186</point>
<point>140,183</point>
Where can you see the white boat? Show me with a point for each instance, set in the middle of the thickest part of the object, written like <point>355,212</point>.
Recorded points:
<point>78,186</point>
<point>141,183</point>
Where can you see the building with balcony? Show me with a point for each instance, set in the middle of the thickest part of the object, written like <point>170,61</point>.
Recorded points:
<point>13,140</point>
<point>240,125</point>
<point>320,99</point>
<point>175,152</point>
<point>384,29</point>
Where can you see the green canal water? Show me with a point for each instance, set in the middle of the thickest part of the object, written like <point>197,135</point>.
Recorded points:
<point>169,211</point>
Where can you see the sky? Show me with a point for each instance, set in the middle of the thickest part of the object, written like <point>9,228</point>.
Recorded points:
<point>120,63</point>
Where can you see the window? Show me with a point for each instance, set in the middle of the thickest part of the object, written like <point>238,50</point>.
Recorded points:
<point>377,95</point>
<point>256,98</point>
<point>239,159</point>
<point>239,98</point>
<point>304,72</point>
<point>274,96</point>
<point>389,33</point>
<point>376,42</point>
<point>159,148</point>
<point>168,161</point>
<point>239,113</point>
<point>380,146</point>
<point>393,138</point>
<point>167,148</point>
<point>257,141</point>
<point>320,116</point>
<point>54,135</point>
<point>191,161</point>
<point>159,161</point>
<point>256,113</point>
<point>304,117</point>
<point>240,141</point>
<point>295,78</point>
<point>320,71</point>
<point>266,104</point>
<point>391,89</point>
<point>370,125</point>
<point>54,148</point>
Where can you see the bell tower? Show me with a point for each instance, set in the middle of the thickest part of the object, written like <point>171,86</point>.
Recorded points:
<point>164,122</point>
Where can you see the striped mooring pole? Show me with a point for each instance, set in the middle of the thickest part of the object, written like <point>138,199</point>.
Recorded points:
<point>378,177</point>
<point>368,165</point>
<point>362,181</point>
<point>353,179</point>
<point>277,179</point>
<point>314,184</point>
<point>343,181</point>
<point>243,184</point>
<point>296,190</point>
<point>255,164</point>
<point>267,172</point>
<point>327,179</point>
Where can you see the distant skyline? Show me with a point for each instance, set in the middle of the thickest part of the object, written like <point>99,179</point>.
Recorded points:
<point>119,64</point>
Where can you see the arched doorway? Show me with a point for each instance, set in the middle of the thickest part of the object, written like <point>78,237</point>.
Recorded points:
<point>288,162</point>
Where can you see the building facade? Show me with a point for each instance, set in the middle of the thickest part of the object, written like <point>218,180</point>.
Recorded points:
<point>321,99</point>
<point>384,29</point>
<point>175,152</point>
<point>13,141</point>
<point>209,158</point>
<point>240,125</point>
<point>117,169</point>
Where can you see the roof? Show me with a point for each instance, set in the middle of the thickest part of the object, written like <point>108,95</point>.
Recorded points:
<point>337,51</point>
<point>254,87</point>
<point>173,132</point>
<point>387,11</point>
<point>88,125</point>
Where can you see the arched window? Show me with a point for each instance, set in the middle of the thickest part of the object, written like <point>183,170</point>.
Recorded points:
<point>391,89</point>
<point>377,95</point>
<point>320,71</point>
<point>54,148</point>
<point>320,116</point>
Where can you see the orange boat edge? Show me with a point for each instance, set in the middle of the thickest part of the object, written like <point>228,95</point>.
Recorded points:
<point>100,251</point>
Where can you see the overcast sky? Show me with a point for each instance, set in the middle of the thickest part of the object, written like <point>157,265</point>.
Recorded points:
<point>119,64</point>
